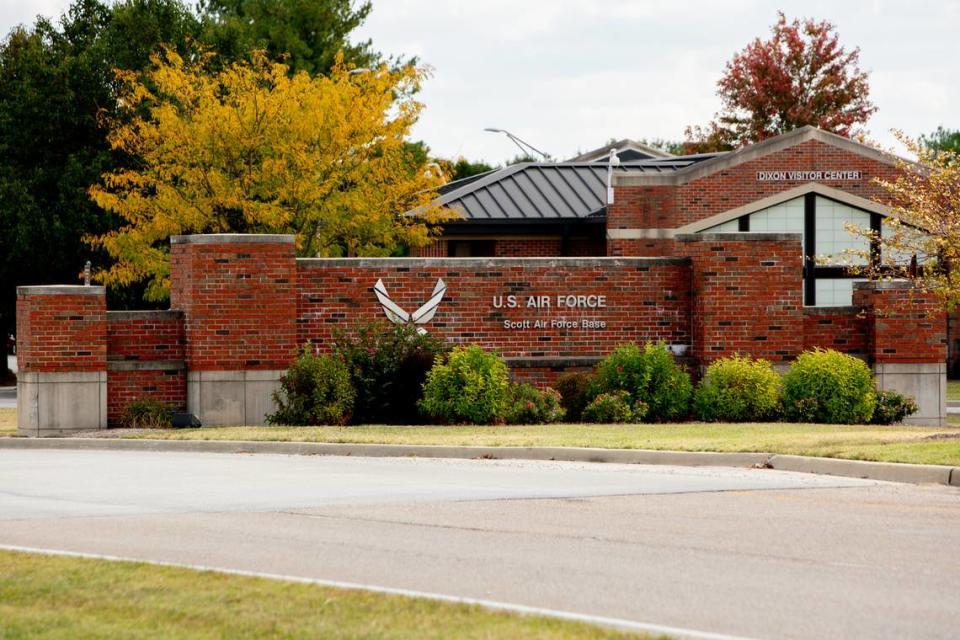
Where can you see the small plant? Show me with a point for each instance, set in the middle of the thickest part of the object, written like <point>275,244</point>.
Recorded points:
<point>388,364</point>
<point>146,413</point>
<point>576,391</point>
<point>649,375</point>
<point>315,390</point>
<point>738,389</point>
<point>830,387</point>
<point>471,387</point>
<point>893,407</point>
<point>615,407</point>
<point>527,404</point>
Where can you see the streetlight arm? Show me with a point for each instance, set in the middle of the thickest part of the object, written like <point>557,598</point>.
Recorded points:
<point>524,146</point>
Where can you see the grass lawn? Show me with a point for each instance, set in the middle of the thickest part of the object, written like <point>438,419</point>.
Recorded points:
<point>919,445</point>
<point>953,389</point>
<point>58,597</point>
<point>8,422</point>
<point>922,445</point>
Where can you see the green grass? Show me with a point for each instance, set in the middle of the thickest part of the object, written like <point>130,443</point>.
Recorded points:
<point>953,389</point>
<point>921,445</point>
<point>8,422</point>
<point>59,597</point>
<point>918,445</point>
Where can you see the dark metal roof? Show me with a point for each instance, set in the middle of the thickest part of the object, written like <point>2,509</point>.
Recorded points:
<point>543,191</point>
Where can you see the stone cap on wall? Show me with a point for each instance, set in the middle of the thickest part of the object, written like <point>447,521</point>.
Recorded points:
<point>886,284</point>
<point>146,314</point>
<point>818,311</point>
<point>62,290</point>
<point>743,236</point>
<point>234,238</point>
<point>492,263</point>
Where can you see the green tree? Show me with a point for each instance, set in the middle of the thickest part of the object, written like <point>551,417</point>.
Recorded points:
<point>306,35</point>
<point>55,81</point>
<point>942,140</point>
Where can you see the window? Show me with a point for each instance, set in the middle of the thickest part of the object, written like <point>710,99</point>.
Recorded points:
<point>821,223</point>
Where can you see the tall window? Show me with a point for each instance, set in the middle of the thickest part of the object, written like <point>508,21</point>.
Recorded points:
<point>821,223</point>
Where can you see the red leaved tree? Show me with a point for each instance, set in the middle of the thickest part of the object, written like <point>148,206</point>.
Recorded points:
<point>800,76</point>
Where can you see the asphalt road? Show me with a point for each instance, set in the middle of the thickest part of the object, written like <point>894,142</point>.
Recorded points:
<point>752,553</point>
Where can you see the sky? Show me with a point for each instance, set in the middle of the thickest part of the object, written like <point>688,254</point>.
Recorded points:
<point>570,75</point>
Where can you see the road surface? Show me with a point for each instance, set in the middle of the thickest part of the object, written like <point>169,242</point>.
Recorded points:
<point>750,553</point>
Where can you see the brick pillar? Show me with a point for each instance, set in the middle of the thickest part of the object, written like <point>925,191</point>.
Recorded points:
<point>641,219</point>
<point>62,359</point>
<point>238,296</point>
<point>747,295</point>
<point>907,344</point>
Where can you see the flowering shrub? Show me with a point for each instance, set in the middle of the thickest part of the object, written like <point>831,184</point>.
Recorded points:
<point>527,404</point>
<point>649,375</point>
<point>315,390</point>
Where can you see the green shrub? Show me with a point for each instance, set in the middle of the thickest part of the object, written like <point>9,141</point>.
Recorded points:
<point>649,375</point>
<point>828,386</point>
<point>576,391</point>
<point>615,406</point>
<point>893,407</point>
<point>470,387</point>
<point>146,413</point>
<point>527,404</point>
<point>388,364</point>
<point>315,390</point>
<point>738,389</point>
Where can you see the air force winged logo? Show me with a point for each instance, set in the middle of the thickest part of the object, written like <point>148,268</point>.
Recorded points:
<point>423,315</point>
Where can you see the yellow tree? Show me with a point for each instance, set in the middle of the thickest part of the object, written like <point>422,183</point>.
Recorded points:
<point>924,222</point>
<point>252,149</point>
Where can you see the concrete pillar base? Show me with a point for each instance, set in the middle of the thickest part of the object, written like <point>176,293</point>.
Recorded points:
<point>51,404</point>
<point>925,382</point>
<point>232,398</point>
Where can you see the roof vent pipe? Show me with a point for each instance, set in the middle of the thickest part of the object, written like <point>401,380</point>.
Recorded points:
<point>614,162</point>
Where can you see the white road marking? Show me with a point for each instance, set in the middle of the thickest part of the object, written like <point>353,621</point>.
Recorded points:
<point>618,623</point>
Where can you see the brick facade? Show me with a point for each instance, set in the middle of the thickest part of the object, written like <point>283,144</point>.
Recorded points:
<point>903,324</point>
<point>61,329</point>
<point>841,328</point>
<point>646,299</point>
<point>746,293</point>
<point>146,360</point>
<point>238,299</point>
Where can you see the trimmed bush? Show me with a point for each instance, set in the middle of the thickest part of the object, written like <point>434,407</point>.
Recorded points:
<point>893,407</point>
<point>526,404</point>
<point>614,407</point>
<point>738,389</point>
<point>145,413</point>
<point>649,375</point>
<point>576,391</point>
<point>388,364</point>
<point>830,387</point>
<point>315,390</point>
<point>471,387</point>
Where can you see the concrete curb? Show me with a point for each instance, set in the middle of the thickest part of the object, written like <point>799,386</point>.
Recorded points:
<point>886,471</point>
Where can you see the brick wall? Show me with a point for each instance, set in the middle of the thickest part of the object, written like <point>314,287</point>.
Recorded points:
<point>528,248</point>
<point>746,295</point>
<point>238,296</point>
<point>672,206</point>
<point>840,328</point>
<point>61,328</point>
<point>646,299</point>
<point>903,323</point>
<point>145,360</point>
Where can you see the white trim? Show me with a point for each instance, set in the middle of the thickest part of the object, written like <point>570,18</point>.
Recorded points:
<point>640,234</point>
<point>604,621</point>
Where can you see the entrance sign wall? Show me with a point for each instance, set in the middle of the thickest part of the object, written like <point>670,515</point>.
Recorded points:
<point>242,304</point>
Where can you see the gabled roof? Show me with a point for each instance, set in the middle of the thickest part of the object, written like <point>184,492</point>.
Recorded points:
<point>544,191</point>
<point>720,162</point>
<point>627,150</point>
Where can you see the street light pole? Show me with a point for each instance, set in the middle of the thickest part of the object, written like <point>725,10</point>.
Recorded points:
<point>520,143</point>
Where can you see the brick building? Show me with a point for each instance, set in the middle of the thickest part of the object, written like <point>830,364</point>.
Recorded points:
<point>709,254</point>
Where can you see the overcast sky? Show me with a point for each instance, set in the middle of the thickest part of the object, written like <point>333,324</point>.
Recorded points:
<point>568,75</point>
